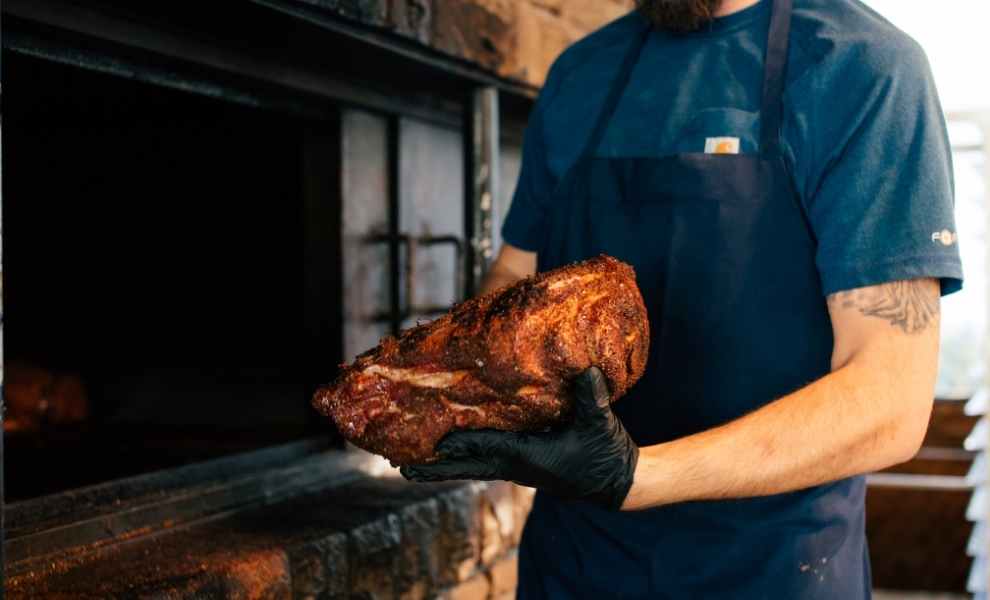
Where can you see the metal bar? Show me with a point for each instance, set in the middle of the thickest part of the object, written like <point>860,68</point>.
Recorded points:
<point>402,239</point>
<point>64,508</point>
<point>3,503</point>
<point>409,278</point>
<point>944,454</point>
<point>401,46</point>
<point>235,485</point>
<point>58,51</point>
<point>394,300</point>
<point>918,482</point>
<point>437,240</point>
<point>227,67</point>
<point>458,246</point>
<point>484,172</point>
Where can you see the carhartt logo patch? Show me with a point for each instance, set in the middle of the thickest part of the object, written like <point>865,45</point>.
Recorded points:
<point>946,237</point>
<point>722,145</point>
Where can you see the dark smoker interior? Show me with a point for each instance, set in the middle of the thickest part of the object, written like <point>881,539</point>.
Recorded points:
<point>163,300</point>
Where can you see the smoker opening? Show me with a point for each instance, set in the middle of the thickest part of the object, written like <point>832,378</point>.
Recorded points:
<point>165,301</point>
<point>206,212</point>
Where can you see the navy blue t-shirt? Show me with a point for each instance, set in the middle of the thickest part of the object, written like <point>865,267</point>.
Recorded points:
<point>863,132</point>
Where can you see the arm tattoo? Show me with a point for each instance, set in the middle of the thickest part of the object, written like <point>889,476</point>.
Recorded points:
<point>910,305</point>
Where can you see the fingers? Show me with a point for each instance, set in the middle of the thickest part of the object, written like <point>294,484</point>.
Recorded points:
<point>452,469</point>
<point>481,443</point>
<point>466,455</point>
<point>591,395</point>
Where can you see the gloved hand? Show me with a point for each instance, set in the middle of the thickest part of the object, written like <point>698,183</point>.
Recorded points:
<point>590,458</point>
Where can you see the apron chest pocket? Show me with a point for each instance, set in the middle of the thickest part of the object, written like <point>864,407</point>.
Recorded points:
<point>720,130</point>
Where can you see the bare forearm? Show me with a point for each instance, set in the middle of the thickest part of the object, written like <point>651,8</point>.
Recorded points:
<point>834,428</point>
<point>511,265</point>
<point>497,279</point>
<point>869,413</point>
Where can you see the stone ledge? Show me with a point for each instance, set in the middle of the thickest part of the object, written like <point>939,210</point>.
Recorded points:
<point>376,537</point>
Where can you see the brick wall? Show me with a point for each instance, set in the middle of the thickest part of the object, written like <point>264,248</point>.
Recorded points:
<point>458,544</point>
<point>374,538</point>
<point>517,39</point>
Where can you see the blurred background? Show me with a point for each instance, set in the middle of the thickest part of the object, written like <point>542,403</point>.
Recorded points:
<point>928,520</point>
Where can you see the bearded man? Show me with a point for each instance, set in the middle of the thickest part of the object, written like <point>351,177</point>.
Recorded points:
<point>780,178</point>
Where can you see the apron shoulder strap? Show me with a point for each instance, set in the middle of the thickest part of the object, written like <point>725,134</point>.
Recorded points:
<point>615,93</point>
<point>774,75</point>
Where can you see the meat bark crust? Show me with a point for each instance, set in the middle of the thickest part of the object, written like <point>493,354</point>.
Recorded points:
<point>503,360</point>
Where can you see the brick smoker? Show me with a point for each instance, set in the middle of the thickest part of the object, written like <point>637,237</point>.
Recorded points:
<point>241,196</point>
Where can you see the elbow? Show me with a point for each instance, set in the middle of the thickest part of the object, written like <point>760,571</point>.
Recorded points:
<point>910,427</point>
<point>907,447</point>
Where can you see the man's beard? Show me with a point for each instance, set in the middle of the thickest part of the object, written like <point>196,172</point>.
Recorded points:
<point>680,16</point>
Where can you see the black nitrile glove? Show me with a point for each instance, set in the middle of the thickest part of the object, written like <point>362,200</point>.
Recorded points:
<point>590,458</point>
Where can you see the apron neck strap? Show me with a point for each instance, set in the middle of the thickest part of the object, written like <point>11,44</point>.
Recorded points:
<point>615,93</point>
<point>774,75</point>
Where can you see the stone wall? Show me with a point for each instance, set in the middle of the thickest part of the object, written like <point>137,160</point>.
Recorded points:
<point>517,39</point>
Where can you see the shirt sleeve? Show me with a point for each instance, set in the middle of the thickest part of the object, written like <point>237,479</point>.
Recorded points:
<point>524,223</point>
<point>879,190</point>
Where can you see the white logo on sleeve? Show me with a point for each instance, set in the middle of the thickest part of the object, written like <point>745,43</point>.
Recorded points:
<point>945,236</point>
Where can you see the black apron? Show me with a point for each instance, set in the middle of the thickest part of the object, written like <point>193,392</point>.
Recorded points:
<point>725,260</point>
